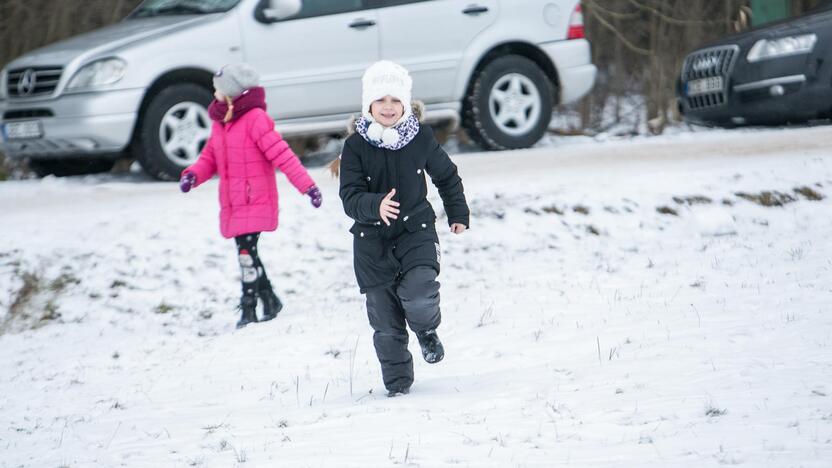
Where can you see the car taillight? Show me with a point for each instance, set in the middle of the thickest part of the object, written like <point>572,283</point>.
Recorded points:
<point>576,24</point>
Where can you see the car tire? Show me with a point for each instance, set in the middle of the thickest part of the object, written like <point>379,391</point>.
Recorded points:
<point>509,105</point>
<point>70,166</point>
<point>173,130</point>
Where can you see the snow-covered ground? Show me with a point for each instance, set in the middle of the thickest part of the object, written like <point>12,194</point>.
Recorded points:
<point>583,327</point>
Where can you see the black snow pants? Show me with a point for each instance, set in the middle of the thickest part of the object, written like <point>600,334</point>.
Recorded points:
<point>412,300</point>
<point>252,273</point>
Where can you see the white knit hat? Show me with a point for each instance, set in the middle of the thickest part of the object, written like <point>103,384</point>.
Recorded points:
<point>232,80</point>
<point>385,78</point>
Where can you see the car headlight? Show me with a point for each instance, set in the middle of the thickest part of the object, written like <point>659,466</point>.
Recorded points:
<point>100,73</point>
<point>772,48</point>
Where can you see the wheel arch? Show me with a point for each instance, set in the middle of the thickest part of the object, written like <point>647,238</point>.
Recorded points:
<point>523,49</point>
<point>198,76</point>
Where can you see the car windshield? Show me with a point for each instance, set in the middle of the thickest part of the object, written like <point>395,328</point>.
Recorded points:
<point>150,8</point>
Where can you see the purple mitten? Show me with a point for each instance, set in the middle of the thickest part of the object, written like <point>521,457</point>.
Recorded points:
<point>315,194</point>
<point>187,181</point>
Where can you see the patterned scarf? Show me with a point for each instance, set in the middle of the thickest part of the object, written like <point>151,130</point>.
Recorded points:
<point>254,98</point>
<point>407,131</point>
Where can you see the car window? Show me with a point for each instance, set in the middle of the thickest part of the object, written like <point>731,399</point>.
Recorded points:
<point>389,3</point>
<point>182,7</point>
<point>312,8</point>
<point>827,5</point>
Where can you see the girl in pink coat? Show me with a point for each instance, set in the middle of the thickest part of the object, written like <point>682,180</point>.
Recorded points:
<point>244,150</point>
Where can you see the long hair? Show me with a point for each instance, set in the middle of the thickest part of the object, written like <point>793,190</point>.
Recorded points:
<point>335,167</point>
<point>230,112</point>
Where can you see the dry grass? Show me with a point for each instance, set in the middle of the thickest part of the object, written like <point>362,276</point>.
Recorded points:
<point>581,209</point>
<point>691,200</point>
<point>34,303</point>
<point>666,210</point>
<point>553,209</point>
<point>767,198</point>
<point>31,285</point>
<point>809,193</point>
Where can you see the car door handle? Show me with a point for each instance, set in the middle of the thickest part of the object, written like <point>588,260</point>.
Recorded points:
<point>475,10</point>
<point>362,24</point>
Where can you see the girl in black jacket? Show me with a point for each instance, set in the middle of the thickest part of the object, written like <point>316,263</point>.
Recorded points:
<point>396,248</point>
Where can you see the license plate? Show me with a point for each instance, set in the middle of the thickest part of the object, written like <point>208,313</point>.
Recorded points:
<point>705,85</point>
<point>22,130</point>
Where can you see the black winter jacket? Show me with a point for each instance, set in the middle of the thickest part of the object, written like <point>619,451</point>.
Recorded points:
<point>368,173</point>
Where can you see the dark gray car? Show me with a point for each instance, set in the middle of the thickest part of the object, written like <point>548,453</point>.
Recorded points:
<point>772,75</point>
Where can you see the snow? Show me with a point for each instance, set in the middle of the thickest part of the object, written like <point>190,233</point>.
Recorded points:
<point>609,335</point>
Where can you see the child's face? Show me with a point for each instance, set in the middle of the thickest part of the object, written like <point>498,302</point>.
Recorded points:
<point>219,96</point>
<point>387,110</point>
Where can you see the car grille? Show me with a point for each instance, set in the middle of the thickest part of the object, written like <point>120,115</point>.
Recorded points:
<point>708,63</point>
<point>33,81</point>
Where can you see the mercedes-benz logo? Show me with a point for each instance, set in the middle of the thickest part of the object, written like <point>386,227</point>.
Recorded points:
<point>26,85</point>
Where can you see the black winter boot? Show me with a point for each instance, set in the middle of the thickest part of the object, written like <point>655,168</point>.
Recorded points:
<point>248,304</point>
<point>432,349</point>
<point>394,392</point>
<point>271,303</point>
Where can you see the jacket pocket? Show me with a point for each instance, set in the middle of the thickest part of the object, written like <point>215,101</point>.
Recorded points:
<point>248,192</point>
<point>420,221</point>
<point>364,231</point>
<point>371,258</point>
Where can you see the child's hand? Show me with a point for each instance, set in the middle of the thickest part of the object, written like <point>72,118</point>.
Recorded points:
<point>388,209</point>
<point>315,194</point>
<point>457,228</point>
<point>187,181</point>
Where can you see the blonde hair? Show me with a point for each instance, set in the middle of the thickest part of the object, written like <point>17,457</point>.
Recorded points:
<point>230,112</point>
<point>335,167</point>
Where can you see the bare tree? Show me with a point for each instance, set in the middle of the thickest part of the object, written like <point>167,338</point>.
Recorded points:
<point>639,46</point>
<point>29,24</point>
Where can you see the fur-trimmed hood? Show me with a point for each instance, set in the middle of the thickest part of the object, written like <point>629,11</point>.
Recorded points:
<point>418,108</point>
<point>418,111</point>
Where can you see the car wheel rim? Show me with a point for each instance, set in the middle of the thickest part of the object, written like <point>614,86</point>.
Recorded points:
<point>514,103</point>
<point>183,132</point>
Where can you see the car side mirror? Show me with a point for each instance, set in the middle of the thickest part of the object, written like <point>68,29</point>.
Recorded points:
<point>272,11</point>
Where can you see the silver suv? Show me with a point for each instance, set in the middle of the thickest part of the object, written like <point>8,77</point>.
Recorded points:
<point>141,87</point>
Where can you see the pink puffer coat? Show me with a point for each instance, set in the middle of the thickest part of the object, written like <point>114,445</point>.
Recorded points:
<point>245,153</point>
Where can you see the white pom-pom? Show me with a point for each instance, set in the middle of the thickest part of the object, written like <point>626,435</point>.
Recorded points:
<point>375,131</point>
<point>390,137</point>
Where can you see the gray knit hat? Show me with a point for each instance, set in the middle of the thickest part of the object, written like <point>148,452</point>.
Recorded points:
<point>231,80</point>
